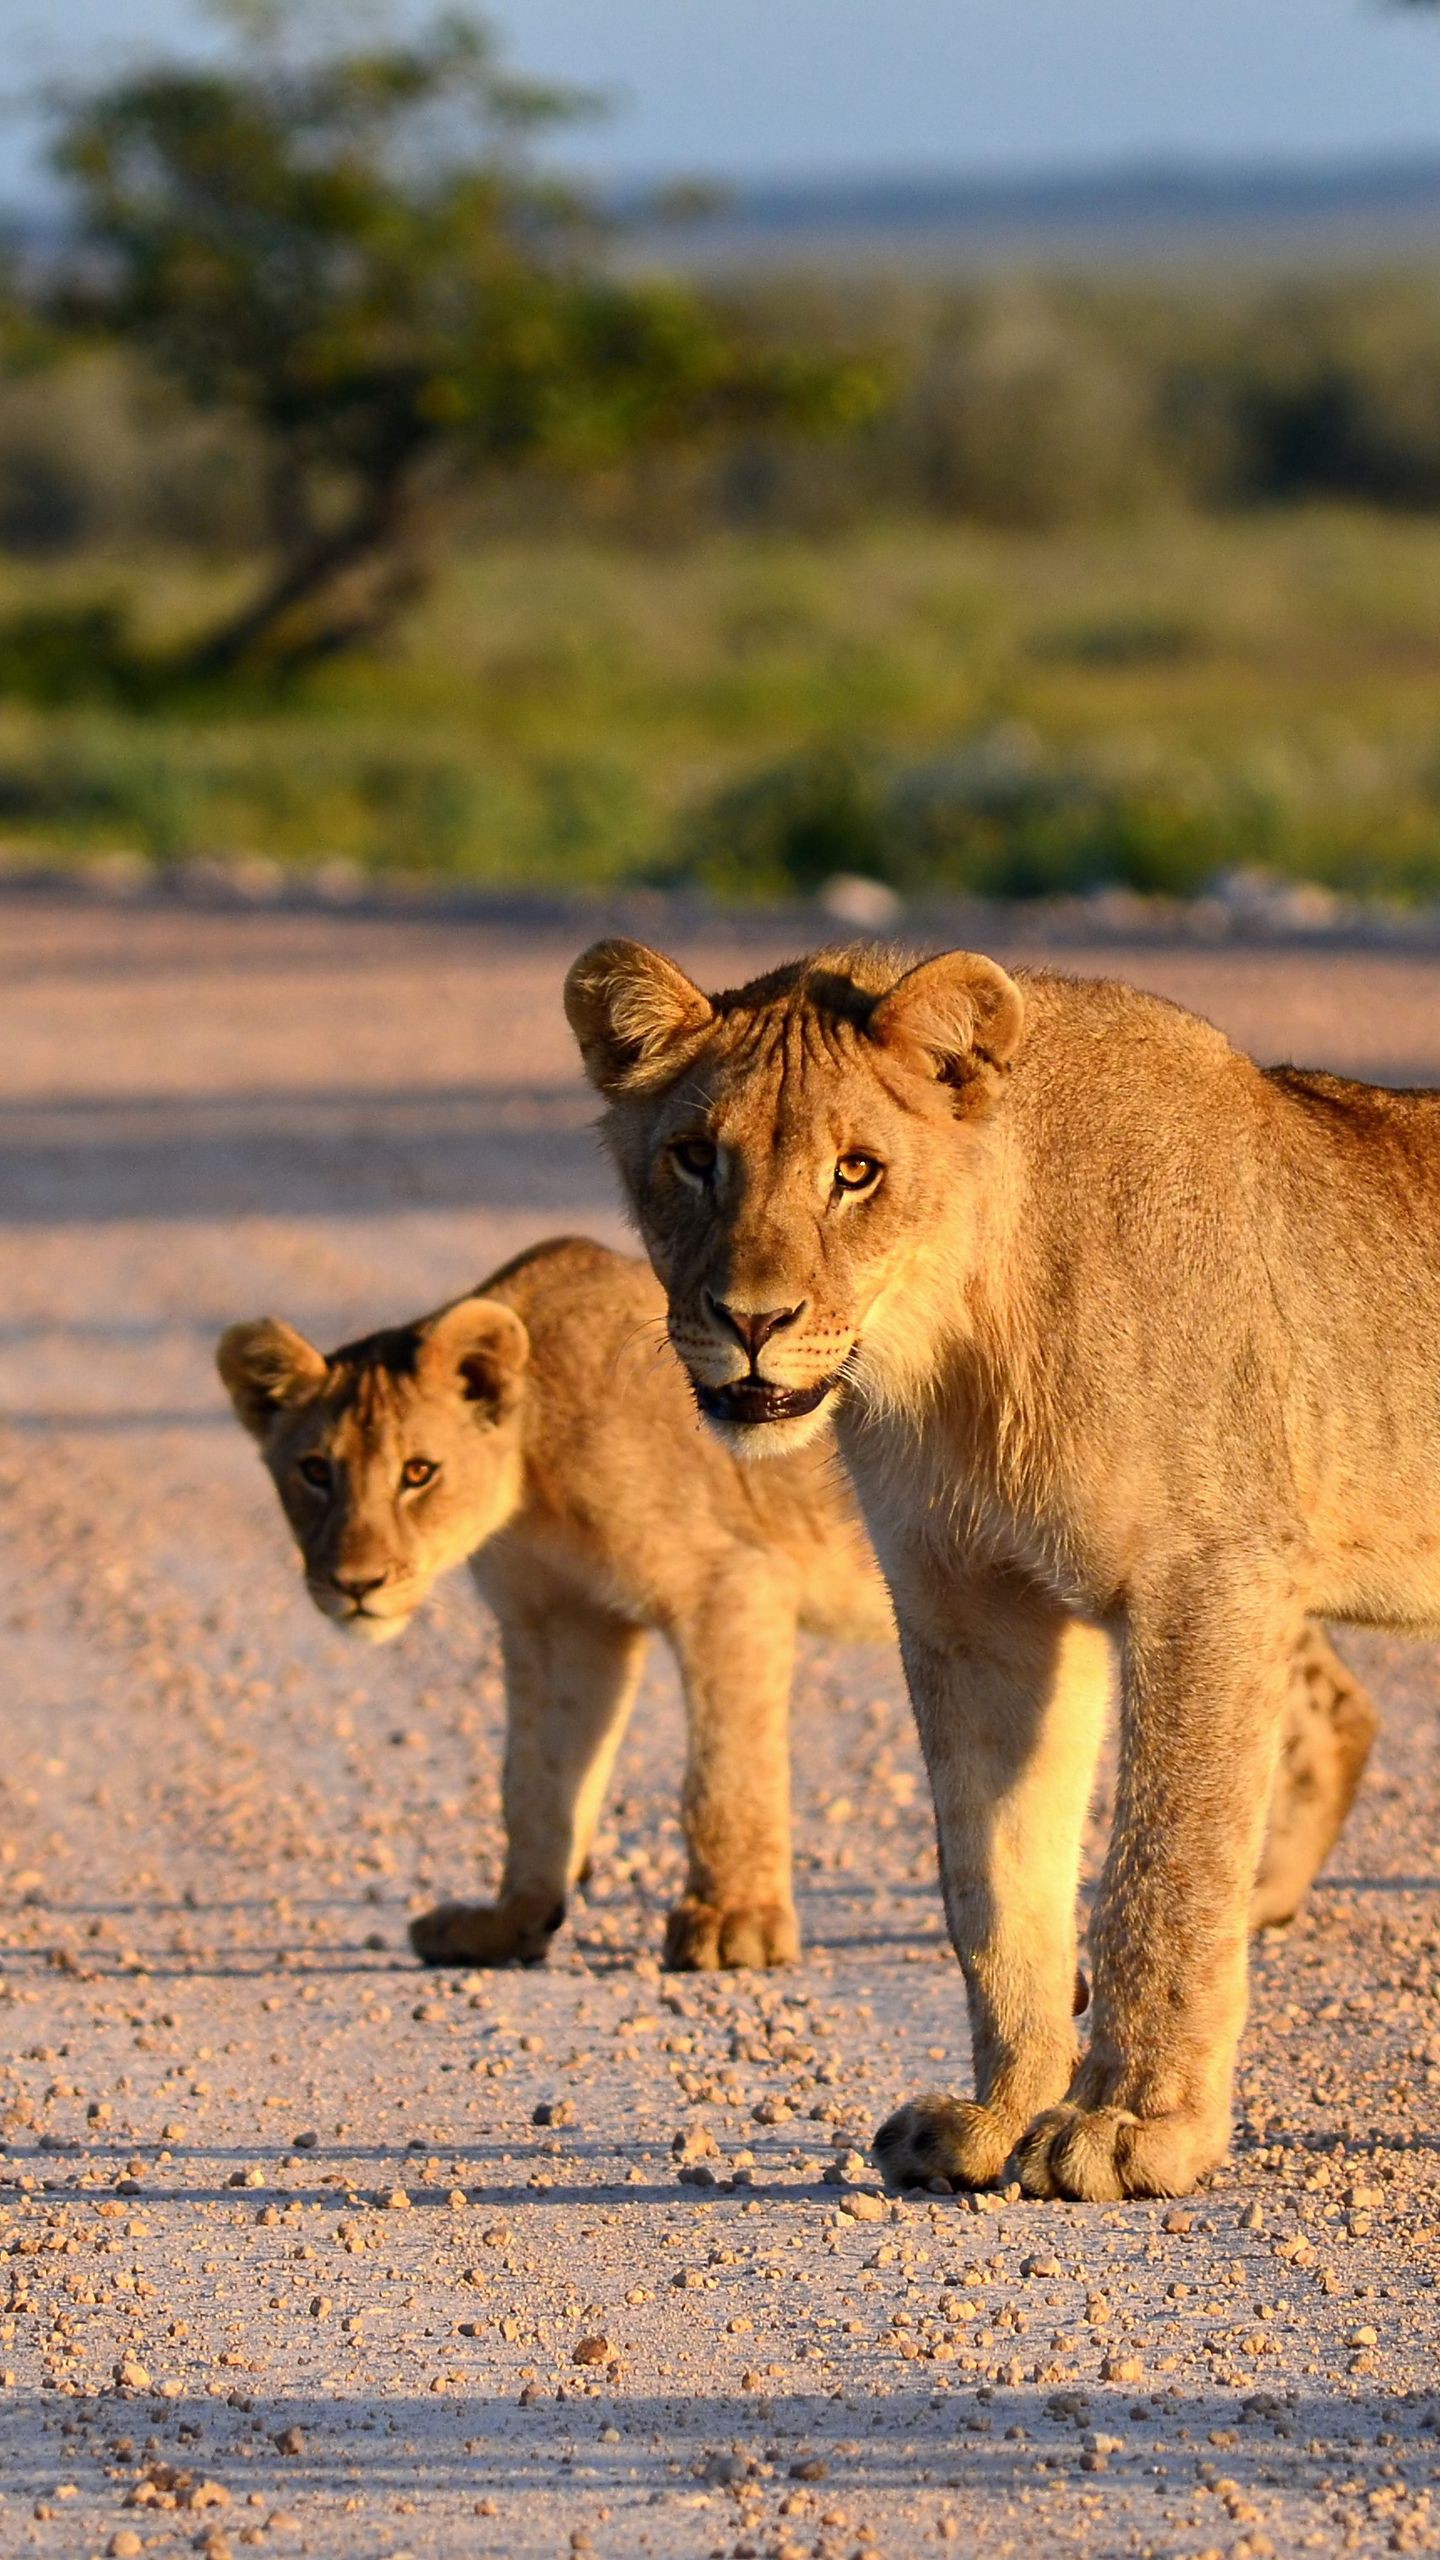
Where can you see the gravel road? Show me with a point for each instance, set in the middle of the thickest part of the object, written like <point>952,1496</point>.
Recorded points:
<point>308,2251</point>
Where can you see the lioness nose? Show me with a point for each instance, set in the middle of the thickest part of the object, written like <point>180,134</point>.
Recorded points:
<point>751,1326</point>
<point>357,1586</point>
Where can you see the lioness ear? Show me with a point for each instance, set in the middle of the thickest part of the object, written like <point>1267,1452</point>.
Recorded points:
<point>632,1010</point>
<point>961,1012</point>
<point>479,1347</point>
<point>267,1366</point>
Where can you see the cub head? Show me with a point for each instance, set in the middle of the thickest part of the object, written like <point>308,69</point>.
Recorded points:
<point>796,1154</point>
<point>394,1458</point>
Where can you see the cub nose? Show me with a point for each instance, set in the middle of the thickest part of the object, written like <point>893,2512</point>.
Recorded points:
<point>357,1586</point>
<point>752,1327</point>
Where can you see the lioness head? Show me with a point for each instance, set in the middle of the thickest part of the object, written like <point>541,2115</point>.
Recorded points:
<point>394,1458</point>
<point>791,1151</point>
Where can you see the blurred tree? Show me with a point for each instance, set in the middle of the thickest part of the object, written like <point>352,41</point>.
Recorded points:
<point>351,247</point>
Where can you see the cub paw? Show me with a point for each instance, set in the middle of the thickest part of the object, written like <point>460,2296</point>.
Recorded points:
<point>483,1933</point>
<point>1101,2155</point>
<point>938,2138</point>
<point>702,1938</point>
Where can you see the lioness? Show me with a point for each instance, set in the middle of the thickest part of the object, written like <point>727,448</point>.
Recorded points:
<point>543,1430</point>
<point>1118,1332</point>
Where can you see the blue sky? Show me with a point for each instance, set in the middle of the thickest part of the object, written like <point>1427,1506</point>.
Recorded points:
<point>765,87</point>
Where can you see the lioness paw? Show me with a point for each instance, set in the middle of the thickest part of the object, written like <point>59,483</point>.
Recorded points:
<point>1276,1900</point>
<point>938,2137</point>
<point>702,1938</point>
<point>1100,2155</point>
<point>483,1933</point>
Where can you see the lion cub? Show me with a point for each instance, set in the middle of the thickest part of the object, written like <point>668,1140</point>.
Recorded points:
<point>544,1431</point>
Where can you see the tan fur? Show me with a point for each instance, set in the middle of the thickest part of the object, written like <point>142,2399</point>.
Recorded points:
<point>1118,1333</point>
<point>574,1474</point>
<point>1325,1743</point>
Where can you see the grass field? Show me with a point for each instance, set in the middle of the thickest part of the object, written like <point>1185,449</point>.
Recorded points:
<point>1146,702</point>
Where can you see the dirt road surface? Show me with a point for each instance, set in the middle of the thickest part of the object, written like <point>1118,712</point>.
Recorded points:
<point>290,2259</point>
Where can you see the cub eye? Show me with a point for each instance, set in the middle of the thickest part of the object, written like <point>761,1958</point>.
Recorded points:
<point>695,1156</point>
<point>857,1172</point>
<point>418,1471</point>
<point>316,1472</point>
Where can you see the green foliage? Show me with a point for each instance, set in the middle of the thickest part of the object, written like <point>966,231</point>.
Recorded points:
<point>351,252</point>
<point>995,817</point>
<point>1035,403</point>
<point>54,653</point>
<point>789,828</point>
<point>96,460</point>
<point>1134,639</point>
<point>94,782</point>
<point>1026,405</point>
<point>942,709</point>
<point>1002,816</point>
<point>1063,583</point>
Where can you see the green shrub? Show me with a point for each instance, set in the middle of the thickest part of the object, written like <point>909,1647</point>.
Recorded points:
<point>791,827</point>
<point>1027,403</point>
<point>56,653</point>
<point>1003,816</point>
<point>1138,638</point>
<point>1045,402</point>
<point>934,706</point>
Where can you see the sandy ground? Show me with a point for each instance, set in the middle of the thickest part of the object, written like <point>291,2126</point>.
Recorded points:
<point>290,2262</point>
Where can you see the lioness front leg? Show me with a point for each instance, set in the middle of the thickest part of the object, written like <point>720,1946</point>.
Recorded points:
<point>1330,1726</point>
<point>735,1643</point>
<point>570,1679</point>
<point>1206,1683</point>
<point>1011,1709</point>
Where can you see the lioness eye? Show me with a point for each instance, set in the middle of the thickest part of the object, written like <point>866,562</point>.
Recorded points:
<point>316,1472</point>
<point>697,1156</point>
<point>857,1172</point>
<point>418,1471</point>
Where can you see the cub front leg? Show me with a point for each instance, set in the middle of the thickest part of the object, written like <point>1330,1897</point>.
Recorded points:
<point>570,1677</point>
<point>735,1644</point>
<point>1011,1708</point>
<point>1205,1692</point>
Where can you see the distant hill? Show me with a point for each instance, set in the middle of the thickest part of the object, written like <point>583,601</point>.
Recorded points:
<point>1360,213</point>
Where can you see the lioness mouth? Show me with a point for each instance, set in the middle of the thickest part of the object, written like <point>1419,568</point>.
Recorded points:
<point>753,1400</point>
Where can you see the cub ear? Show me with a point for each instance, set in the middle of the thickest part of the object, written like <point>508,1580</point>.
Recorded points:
<point>479,1347</point>
<point>267,1366</point>
<point>960,1012</point>
<point>633,1013</point>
